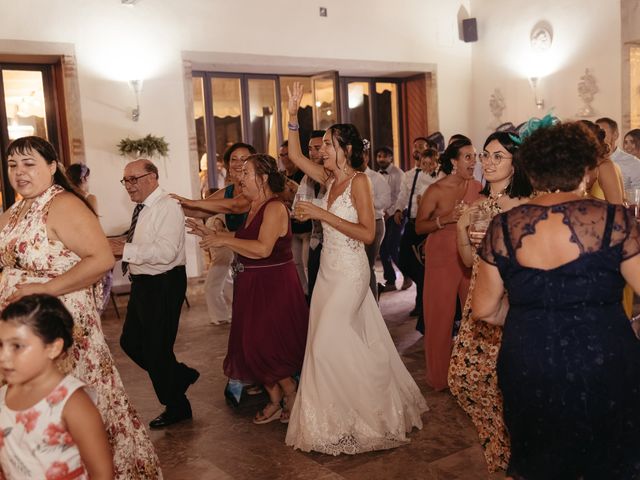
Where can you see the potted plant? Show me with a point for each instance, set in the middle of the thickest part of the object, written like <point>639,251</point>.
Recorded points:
<point>149,147</point>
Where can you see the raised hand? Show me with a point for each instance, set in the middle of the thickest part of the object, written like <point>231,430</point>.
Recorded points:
<point>295,97</point>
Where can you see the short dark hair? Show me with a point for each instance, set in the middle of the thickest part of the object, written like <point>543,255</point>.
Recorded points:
<point>46,315</point>
<point>556,157</point>
<point>425,139</point>
<point>317,134</point>
<point>613,125</point>
<point>285,144</point>
<point>451,153</point>
<point>430,153</point>
<point>458,136</point>
<point>520,186</point>
<point>77,172</point>
<point>386,150</point>
<point>229,151</point>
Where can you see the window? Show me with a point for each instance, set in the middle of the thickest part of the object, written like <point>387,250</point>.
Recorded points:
<point>238,107</point>
<point>373,106</point>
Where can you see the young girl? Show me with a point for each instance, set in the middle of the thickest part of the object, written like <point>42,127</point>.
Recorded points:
<point>49,427</point>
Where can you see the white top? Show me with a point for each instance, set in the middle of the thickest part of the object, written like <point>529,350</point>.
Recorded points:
<point>629,166</point>
<point>424,180</point>
<point>381,192</point>
<point>34,443</point>
<point>158,241</point>
<point>394,177</point>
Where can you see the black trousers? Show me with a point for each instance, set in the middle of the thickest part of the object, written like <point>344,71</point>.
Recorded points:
<point>372,250</point>
<point>408,262</point>
<point>313,266</point>
<point>150,330</point>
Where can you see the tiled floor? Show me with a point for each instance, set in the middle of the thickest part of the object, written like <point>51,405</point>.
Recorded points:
<point>222,444</point>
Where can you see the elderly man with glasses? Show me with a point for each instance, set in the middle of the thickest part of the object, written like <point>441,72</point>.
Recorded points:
<point>153,254</point>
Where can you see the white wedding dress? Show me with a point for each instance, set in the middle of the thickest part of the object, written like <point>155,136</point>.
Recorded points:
<point>355,394</point>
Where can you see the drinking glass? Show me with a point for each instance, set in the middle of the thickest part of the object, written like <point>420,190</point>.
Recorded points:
<point>300,197</point>
<point>632,196</point>
<point>479,221</point>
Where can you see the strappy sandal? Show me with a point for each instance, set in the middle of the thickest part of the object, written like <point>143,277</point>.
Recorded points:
<point>288,402</point>
<point>262,417</point>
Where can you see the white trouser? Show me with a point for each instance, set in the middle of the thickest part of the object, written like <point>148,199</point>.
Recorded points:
<point>300,250</point>
<point>218,287</point>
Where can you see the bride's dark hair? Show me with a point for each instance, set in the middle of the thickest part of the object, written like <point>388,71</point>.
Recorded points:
<point>347,134</point>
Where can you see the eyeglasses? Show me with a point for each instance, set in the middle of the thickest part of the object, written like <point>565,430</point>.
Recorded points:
<point>133,180</point>
<point>495,158</point>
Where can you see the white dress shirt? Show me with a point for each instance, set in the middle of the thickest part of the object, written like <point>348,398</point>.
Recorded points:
<point>424,180</point>
<point>381,192</point>
<point>157,245</point>
<point>394,178</point>
<point>630,167</point>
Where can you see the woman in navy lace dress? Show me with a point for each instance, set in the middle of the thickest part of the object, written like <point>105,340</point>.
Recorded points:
<point>569,364</point>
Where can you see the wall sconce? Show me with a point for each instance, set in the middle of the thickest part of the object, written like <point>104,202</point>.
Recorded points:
<point>136,86</point>
<point>533,81</point>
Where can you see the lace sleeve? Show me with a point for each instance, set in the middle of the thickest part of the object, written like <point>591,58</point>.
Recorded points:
<point>493,237</point>
<point>631,231</point>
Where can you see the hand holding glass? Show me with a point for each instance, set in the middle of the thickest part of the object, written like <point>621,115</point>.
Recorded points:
<point>479,221</point>
<point>300,197</point>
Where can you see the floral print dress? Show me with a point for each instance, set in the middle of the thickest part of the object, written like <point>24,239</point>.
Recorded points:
<point>472,374</point>
<point>34,443</point>
<point>27,255</point>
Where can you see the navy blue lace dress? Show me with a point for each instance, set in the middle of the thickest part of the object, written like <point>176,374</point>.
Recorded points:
<point>569,364</point>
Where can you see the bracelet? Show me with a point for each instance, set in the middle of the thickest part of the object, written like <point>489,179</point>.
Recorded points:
<point>440,226</point>
<point>293,126</point>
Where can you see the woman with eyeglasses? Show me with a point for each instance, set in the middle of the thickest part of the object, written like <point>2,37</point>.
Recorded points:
<point>472,371</point>
<point>52,243</point>
<point>445,276</point>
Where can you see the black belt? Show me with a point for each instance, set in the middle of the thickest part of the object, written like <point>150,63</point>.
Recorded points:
<point>145,275</point>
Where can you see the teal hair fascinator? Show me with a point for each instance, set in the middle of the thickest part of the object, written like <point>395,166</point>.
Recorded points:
<point>532,125</point>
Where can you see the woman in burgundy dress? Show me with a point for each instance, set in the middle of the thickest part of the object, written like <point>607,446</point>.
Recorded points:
<point>270,313</point>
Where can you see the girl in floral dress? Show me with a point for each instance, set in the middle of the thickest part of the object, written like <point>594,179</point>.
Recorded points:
<point>49,427</point>
<point>472,370</point>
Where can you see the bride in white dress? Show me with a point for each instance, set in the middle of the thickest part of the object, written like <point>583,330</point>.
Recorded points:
<point>355,394</point>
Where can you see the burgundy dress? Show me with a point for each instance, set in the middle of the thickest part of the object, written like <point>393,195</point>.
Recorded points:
<point>270,314</point>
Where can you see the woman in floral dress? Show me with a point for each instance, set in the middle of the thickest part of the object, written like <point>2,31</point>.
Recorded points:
<point>51,242</point>
<point>472,371</point>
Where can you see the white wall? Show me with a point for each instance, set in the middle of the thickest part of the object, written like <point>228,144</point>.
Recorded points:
<point>114,43</point>
<point>586,34</point>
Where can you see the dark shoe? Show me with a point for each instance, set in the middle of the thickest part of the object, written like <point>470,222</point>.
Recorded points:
<point>171,416</point>
<point>406,283</point>
<point>414,312</point>
<point>193,377</point>
<point>389,287</point>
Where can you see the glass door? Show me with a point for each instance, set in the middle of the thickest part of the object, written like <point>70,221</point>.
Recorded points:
<point>27,107</point>
<point>326,100</point>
